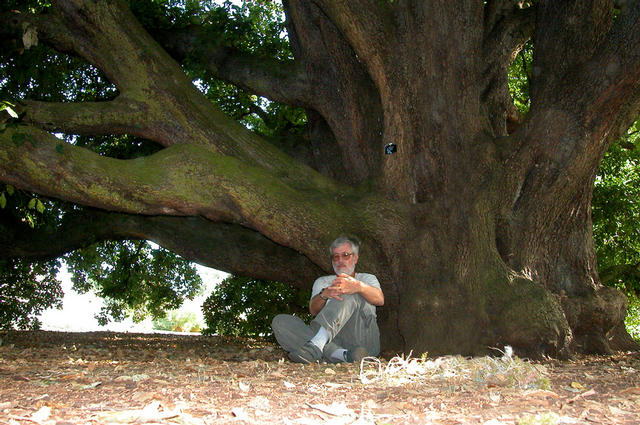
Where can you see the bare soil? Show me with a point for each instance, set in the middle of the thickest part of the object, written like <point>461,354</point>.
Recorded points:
<point>103,377</point>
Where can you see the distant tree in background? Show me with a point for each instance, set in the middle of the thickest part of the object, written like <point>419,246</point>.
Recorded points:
<point>27,288</point>
<point>133,278</point>
<point>241,306</point>
<point>178,321</point>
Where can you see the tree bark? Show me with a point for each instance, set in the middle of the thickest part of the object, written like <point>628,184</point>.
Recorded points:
<point>479,238</point>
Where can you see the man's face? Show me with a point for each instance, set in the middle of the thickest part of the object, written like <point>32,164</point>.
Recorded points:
<point>344,260</point>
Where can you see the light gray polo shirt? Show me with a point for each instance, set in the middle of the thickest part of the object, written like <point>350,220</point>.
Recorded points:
<point>326,281</point>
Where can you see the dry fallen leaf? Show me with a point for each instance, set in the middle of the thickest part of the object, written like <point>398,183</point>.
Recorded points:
<point>142,396</point>
<point>154,411</point>
<point>335,409</point>
<point>259,402</point>
<point>631,391</point>
<point>541,393</point>
<point>240,414</point>
<point>92,385</point>
<point>617,411</point>
<point>577,385</point>
<point>332,385</point>
<point>370,404</point>
<point>42,414</point>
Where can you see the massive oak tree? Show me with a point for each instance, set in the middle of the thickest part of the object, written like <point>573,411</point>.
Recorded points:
<point>478,226</point>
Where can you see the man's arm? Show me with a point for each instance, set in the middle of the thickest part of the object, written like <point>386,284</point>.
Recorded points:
<point>318,301</point>
<point>345,284</point>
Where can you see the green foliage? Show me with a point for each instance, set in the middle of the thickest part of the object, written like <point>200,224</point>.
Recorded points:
<point>34,210</point>
<point>255,27</point>
<point>134,279</point>
<point>519,77</point>
<point>616,213</point>
<point>26,290</point>
<point>241,306</point>
<point>178,321</point>
<point>9,107</point>
<point>632,320</point>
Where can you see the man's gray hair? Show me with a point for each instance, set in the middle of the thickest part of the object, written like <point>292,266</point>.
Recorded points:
<point>354,242</point>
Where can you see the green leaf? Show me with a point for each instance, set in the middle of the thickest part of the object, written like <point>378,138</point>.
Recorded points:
<point>40,206</point>
<point>32,203</point>
<point>8,106</point>
<point>3,200</point>
<point>11,111</point>
<point>10,189</point>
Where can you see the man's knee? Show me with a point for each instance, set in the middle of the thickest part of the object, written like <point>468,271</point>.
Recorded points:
<point>278,322</point>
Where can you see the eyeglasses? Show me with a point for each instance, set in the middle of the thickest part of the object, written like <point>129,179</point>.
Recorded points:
<point>344,256</point>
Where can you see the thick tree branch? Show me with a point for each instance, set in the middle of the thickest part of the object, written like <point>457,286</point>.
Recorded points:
<point>343,94</point>
<point>183,180</point>
<point>324,65</point>
<point>120,116</point>
<point>365,25</point>
<point>167,108</point>
<point>494,12</point>
<point>151,105</point>
<point>359,20</point>
<point>226,247</point>
<point>591,103</point>
<point>568,32</point>
<point>612,102</point>
<point>280,81</point>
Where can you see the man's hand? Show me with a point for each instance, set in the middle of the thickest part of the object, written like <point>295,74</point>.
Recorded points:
<point>344,284</point>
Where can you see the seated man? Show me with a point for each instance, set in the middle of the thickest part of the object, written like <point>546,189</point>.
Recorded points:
<point>345,327</point>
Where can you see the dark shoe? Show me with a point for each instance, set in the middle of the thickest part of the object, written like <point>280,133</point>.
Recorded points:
<point>356,355</point>
<point>308,353</point>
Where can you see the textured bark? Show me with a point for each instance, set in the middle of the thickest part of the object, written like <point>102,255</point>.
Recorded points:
<point>480,238</point>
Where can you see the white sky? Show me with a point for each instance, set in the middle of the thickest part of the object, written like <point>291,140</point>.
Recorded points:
<point>77,314</point>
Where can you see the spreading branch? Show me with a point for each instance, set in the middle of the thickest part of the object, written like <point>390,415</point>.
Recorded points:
<point>265,76</point>
<point>596,99</point>
<point>567,34</point>
<point>220,188</point>
<point>223,246</point>
<point>120,116</point>
<point>363,24</point>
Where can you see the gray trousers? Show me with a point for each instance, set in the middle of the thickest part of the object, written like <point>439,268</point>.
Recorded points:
<point>348,323</point>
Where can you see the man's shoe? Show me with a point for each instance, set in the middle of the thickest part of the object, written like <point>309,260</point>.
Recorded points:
<point>356,355</point>
<point>308,353</point>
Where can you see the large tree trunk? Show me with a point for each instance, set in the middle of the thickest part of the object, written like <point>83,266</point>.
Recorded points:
<point>480,238</point>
